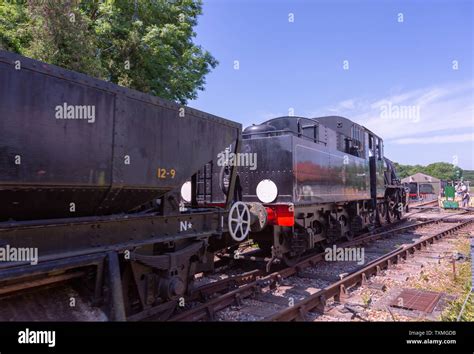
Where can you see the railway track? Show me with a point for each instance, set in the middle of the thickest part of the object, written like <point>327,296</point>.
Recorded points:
<point>221,287</point>
<point>225,282</point>
<point>423,204</point>
<point>207,301</point>
<point>431,206</point>
<point>260,288</point>
<point>338,290</point>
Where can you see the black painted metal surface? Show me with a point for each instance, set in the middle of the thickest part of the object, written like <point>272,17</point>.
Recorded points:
<point>63,238</point>
<point>304,162</point>
<point>132,149</point>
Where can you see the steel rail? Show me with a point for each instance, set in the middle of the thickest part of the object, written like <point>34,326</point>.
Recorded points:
<point>208,309</point>
<point>338,289</point>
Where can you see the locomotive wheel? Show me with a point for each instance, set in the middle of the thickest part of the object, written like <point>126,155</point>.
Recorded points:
<point>239,221</point>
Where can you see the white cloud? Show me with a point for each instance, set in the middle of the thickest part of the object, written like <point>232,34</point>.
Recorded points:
<point>454,138</point>
<point>348,104</point>
<point>415,113</point>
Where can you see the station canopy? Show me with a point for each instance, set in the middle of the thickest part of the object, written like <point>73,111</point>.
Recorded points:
<point>420,178</point>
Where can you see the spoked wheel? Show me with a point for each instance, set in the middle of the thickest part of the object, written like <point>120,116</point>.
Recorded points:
<point>239,221</point>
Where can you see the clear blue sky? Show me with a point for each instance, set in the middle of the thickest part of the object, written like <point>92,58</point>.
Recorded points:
<point>405,66</point>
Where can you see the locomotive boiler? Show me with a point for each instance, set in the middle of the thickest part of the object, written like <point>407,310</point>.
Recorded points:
<point>319,179</point>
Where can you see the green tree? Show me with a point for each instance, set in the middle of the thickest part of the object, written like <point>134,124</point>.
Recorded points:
<point>145,45</point>
<point>441,170</point>
<point>62,36</point>
<point>468,175</point>
<point>15,34</point>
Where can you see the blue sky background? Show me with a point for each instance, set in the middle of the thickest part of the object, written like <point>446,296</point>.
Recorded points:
<point>299,65</point>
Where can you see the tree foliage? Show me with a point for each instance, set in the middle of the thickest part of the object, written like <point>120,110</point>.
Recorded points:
<point>62,36</point>
<point>468,175</point>
<point>14,30</point>
<point>441,170</point>
<point>145,45</point>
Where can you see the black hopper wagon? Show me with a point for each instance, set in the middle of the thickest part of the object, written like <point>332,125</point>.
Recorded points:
<point>319,180</point>
<point>91,175</point>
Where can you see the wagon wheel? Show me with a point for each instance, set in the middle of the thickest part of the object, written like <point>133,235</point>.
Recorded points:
<point>239,221</point>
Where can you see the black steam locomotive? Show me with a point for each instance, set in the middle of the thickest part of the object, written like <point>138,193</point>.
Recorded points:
<point>319,179</point>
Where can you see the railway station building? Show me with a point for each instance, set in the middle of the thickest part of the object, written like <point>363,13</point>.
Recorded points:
<point>423,186</point>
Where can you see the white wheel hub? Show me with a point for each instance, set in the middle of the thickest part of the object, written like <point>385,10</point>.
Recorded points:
<point>239,221</point>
